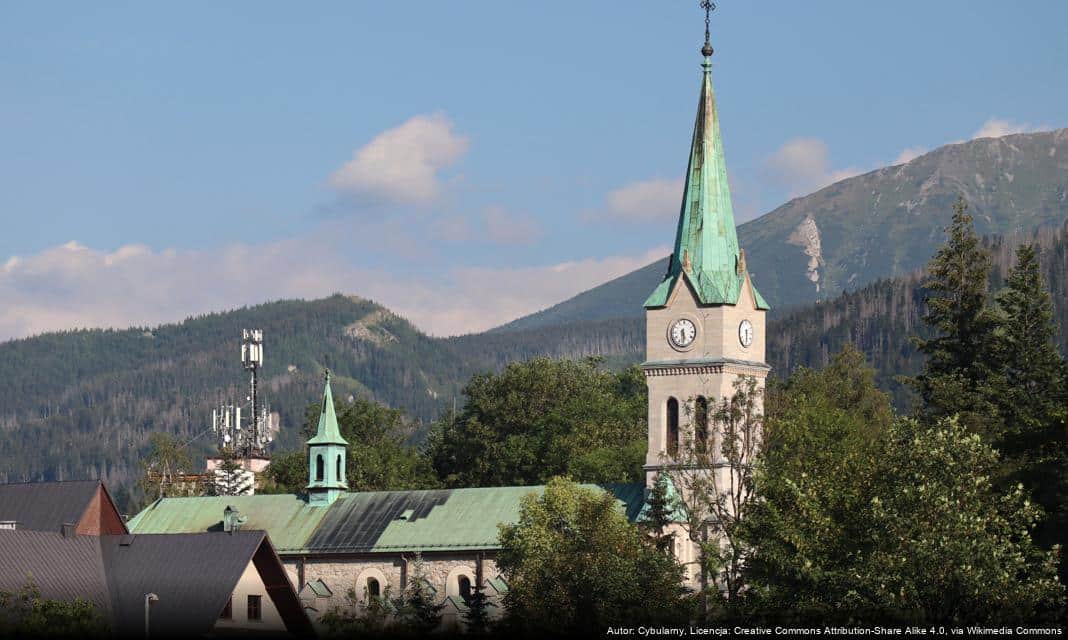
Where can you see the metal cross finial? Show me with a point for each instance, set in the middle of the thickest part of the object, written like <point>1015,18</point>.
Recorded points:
<point>709,7</point>
<point>327,376</point>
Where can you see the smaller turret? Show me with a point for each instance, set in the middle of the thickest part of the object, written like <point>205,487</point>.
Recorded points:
<point>326,456</point>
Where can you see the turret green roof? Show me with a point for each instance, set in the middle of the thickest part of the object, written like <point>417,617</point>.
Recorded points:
<point>706,243</point>
<point>328,432</point>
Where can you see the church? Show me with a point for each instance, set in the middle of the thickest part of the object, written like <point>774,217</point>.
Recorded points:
<point>704,330</point>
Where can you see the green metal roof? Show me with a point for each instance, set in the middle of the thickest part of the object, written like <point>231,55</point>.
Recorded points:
<point>328,432</point>
<point>706,243</point>
<point>445,519</point>
<point>286,518</point>
<point>382,521</point>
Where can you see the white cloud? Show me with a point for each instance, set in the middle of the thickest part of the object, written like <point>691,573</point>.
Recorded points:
<point>510,228</point>
<point>998,127</point>
<point>802,165</point>
<point>908,155</point>
<point>403,164</point>
<point>480,298</point>
<point>73,286</point>
<point>644,201</point>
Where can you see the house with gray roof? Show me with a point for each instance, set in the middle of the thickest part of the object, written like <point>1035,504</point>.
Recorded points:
<point>82,506</point>
<point>181,584</point>
<point>204,583</point>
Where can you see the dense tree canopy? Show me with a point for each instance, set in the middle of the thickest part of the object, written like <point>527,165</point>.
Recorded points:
<point>378,457</point>
<point>25,614</point>
<point>543,418</point>
<point>900,522</point>
<point>574,563</point>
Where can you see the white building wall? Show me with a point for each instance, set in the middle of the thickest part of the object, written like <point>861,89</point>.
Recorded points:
<point>251,584</point>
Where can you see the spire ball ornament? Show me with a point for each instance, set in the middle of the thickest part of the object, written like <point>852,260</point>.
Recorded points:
<point>709,7</point>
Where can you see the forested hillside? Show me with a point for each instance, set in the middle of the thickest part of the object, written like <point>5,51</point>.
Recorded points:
<point>882,224</point>
<point>880,317</point>
<point>81,404</point>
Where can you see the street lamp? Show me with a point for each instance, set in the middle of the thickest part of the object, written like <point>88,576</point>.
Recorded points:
<point>149,599</point>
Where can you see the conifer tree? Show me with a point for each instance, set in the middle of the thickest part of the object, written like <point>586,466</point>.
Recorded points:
<point>1033,368</point>
<point>957,378</point>
<point>478,604</point>
<point>419,609</point>
<point>230,479</point>
<point>658,511</point>
<point>1034,402</point>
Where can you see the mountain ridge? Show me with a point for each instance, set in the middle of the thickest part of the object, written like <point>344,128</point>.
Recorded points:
<point>82,403</point>
<point>814,247</point>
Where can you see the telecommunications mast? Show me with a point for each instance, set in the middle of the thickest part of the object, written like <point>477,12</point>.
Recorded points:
<point>245,427</point>
<point>260,417</point>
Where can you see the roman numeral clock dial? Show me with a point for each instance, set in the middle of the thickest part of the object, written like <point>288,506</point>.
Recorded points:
<point>682,333</point>
<point>745,333</point>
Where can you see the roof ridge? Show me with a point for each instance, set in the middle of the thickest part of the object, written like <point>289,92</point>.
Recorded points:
<point>47,482</point>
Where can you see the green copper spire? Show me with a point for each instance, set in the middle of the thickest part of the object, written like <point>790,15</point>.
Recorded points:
<point>326,456</point>
<point>328,432</point>
<point>706,243</point>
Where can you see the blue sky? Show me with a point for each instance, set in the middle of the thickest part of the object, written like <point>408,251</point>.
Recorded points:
<point>463,163</point>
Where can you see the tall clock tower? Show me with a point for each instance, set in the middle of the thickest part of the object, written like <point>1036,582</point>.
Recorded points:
<point>705,321</point>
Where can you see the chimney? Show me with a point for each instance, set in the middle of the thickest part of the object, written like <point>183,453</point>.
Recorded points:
<point>232,520</point>
<point>68,530</point>
<point>229,519</point>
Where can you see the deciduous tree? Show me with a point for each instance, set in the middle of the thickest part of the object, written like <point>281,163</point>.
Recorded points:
<point>907,527</point>
<point>167,459</point>
<point>575,564</point>
<point>542,418</point>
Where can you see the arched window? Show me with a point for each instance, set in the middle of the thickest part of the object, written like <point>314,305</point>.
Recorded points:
<point>700,427</point>
<point>370,584</point>
<point>319,470</point>
<point>337,472</point>
<point>465,588</point>
<point>672,426</point>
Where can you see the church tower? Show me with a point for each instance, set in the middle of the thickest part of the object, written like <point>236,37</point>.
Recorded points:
<point>705,321</point>
<point>326,456</point>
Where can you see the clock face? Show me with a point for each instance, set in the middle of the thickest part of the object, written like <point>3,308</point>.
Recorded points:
<point>683,332</point>
<point>745,333</point>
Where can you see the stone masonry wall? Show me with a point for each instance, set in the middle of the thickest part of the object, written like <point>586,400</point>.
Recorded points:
<point>341,575</point>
